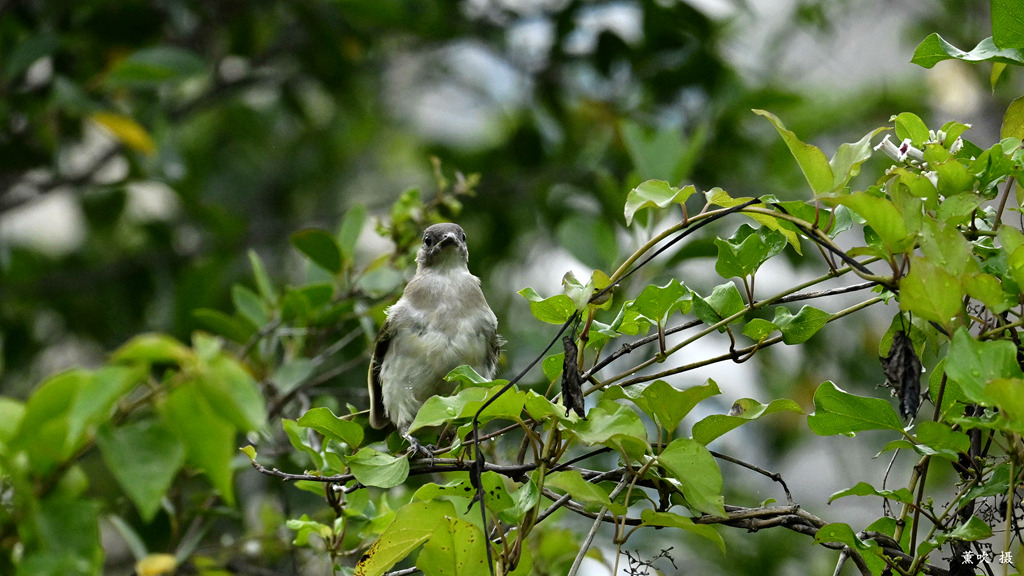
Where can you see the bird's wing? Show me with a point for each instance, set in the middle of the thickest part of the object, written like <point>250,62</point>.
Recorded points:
<point>494,351</point>
<point>378,416</point>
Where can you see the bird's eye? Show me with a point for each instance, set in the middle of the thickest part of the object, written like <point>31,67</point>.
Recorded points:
<point>463,236</point>
<point>427,241</point>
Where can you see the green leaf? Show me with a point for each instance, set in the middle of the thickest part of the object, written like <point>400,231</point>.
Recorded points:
<point>249,306</point>
<point>613,425</point>
<point>330,426</point>
<point>1013,120</point>
<point>154,66</point>
<point>883,217</point>
<point>848,158</point>
<point>153,349</point>
<point>743,411</point>
<point>65,533</point>
<point>592,496</point>
<point>720,197</point>
<point>300,441</point>
<point>456,547</point>
<point>843,534</point>
<point>864,489</point>
<point>144,457</point>
<point>935,49</point>
<point>96,397</point>
<point>973,364</point>
<point>373,468</point>
<point>673,520</point>
<point>263,283</point>
<point>758,329</point>
<point>909,126</point>
<point>11,413</point>
<point>662,402</point>
<point>554,310</point>
<point>1007,23</point>
<point>414,523</point>
<point>233,328</point>
<point>43,433</point>
<point>233,393</point>
<point>208,438</point>
<point>690,464</point>
<point>320,247</point>
<point>839,412</point>
<point>654,194</point>
<point>349,230</point>
<point>930,292</point>
<point>656,304</point>
<point>811,159</point>
<point>438,410</point>
<point>799,328</point>
<point>725,301</point>
<point>974,529</point>
<point>746,250</point>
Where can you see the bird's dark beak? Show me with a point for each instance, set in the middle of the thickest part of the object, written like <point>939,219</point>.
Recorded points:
<point>448,239</point>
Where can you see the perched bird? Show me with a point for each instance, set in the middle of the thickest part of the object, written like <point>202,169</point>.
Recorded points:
<point>441,321</point>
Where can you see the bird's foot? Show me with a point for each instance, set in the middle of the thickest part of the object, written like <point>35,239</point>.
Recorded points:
<point>415,448</point>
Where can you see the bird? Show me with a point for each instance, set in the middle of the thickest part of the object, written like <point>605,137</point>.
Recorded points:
<point>441,321</point>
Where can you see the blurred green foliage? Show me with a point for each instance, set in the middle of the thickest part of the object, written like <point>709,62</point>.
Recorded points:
<point>232,167</point>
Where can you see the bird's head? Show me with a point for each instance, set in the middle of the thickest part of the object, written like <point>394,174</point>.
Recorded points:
<point>444,245</point>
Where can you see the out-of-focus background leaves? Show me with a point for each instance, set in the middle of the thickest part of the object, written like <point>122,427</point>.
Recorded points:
<point>147,146</point>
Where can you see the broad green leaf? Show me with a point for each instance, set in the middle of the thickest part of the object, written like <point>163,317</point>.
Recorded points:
<point>153,349</point>
<point>330,426</point>
<point>973,364</point>
<point>811,159</point>
<point>758,329</point>
<point>414,523</point>
<point>154,66</point>
<point>847,160</point>
<point>523,500</point>
<point>457,547</point>
<point>497,497</point>
<point>864,489</point>
<point>746,250</point>
<point>653,306</point>
<point>305,527</point>
<point>958,209</point>
<point>11,413</point>
<point>300,441</point>
<point>209,439</point>
<point>799,328</point>
<point>930,292</point>
<point>720,197</point>
<point>232,393</point>
<point>144,457</point>
<point>96,397</point>
<point>540,408</point>
<point>987,289</point>
<point>613,425</point>
<point>349,230</point>
<point>839,412</point>
<point>673,520</point>
<point>438,410</point>
<point>249,306</point>
<point>909,126</point>
<point>935,49</point>
<point>1013,120</point>
<point>953,176</point>
<point>662,402</point>
<point>231,327</point>
<point>1007,395</point>
<point>373,468</point>
<point>590,495</point>
<point>694,468</point>
<point>743,411</point>
<point>553,310</point>
<point>320,247</point>
<point>843,534</point>
<point>974,529</point>
<point>467,376</point>
<point>1007,23</point>
<point>654,194</point>
<point>65,531</point>
<point>43,433</point>
<point>883,217</point>
<point>725,301</point>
